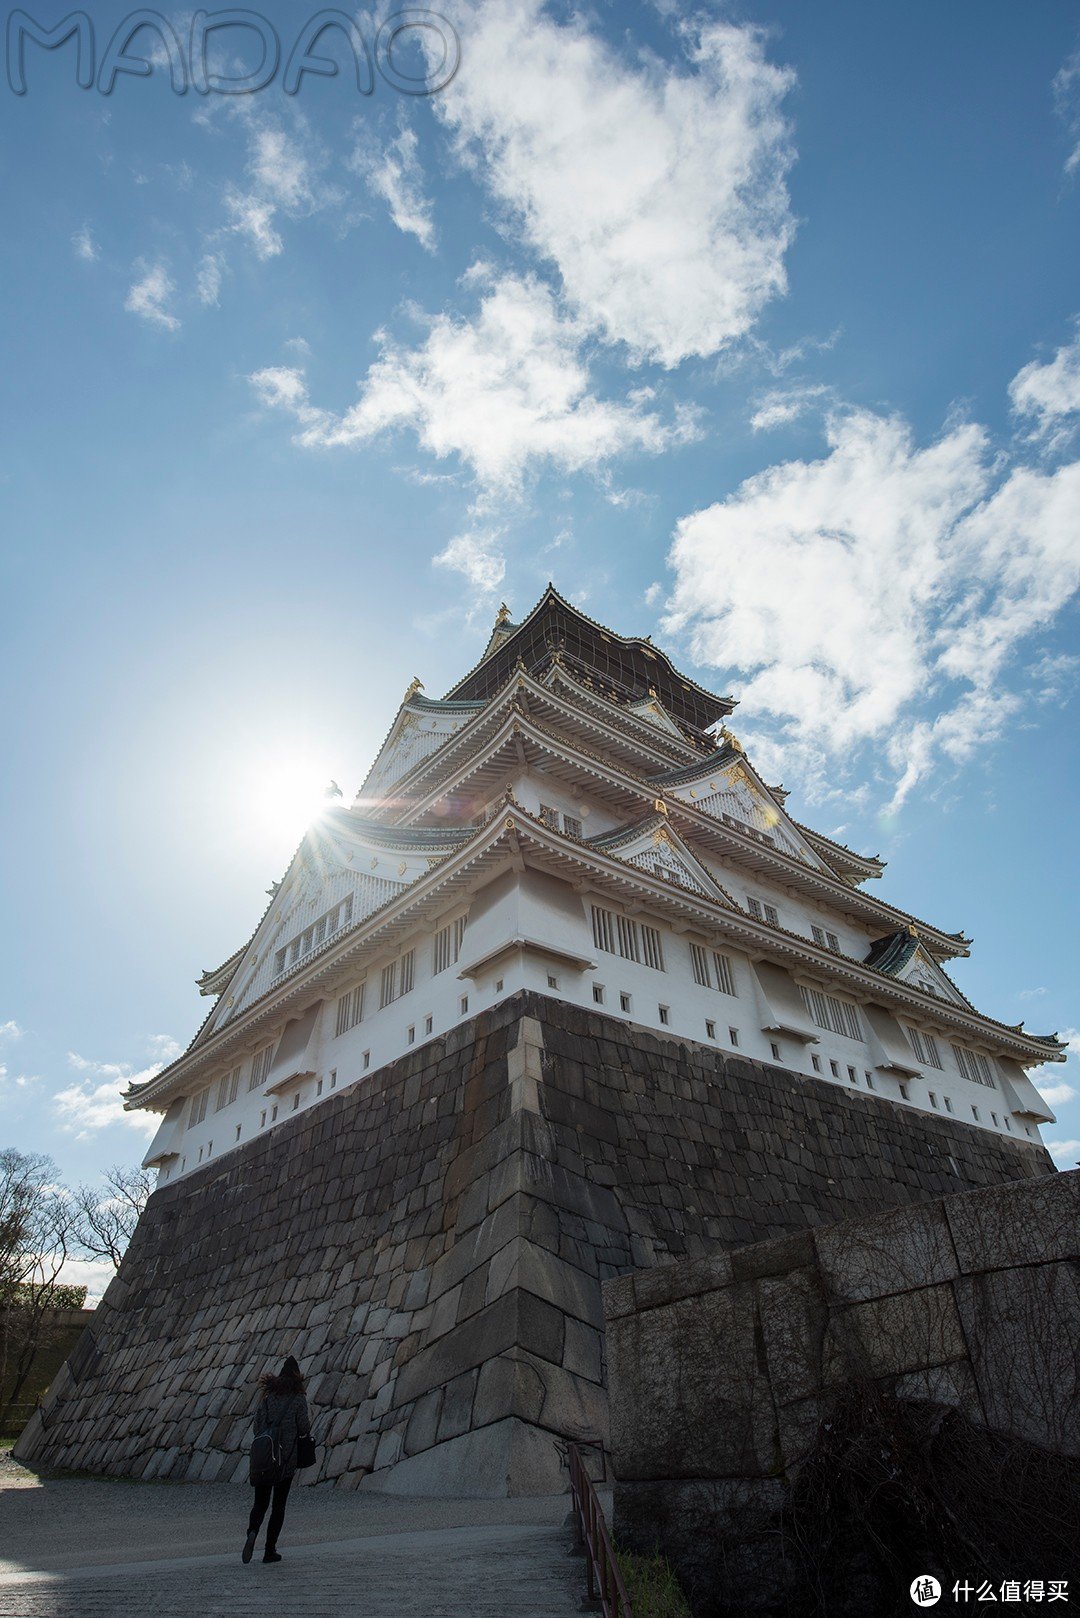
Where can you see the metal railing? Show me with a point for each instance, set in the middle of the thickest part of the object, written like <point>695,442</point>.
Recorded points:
<point>603,1575</point>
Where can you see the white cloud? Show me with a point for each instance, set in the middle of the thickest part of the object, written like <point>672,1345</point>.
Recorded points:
<point>658,192</point>
<point>1064,1151</point>
<point>85,246</point>
<point>477,557</point>
<point>784,405</point>
<point>208,283</point>
<point>149,295</point>
<point>10,1029</point>
<point>285,178</point>
<point>1056,1094</point>
<point>858,589</point>
<point>92,1273</point>
<point>504,391</point>
<point>87,1106</point>
<point>253,216</point>
<point>1048,394</point>
<point>392,171</point>
<point>1067,104</point>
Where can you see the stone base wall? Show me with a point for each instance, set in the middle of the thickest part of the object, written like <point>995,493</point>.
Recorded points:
<point>430,1243</point>
<point>724,1369</point>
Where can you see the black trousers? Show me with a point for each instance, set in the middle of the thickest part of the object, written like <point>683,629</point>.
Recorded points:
<point>279,1492</point>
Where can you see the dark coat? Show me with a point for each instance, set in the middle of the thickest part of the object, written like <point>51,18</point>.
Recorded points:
<point>289,1412</point>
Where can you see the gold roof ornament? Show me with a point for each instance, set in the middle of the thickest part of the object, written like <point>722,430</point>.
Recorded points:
<point>502,616</point>
<point>660,806</point>
<point>415,685</point>
<point>731,739</point>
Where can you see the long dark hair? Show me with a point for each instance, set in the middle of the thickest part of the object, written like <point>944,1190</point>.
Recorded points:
<point>288,1380</point>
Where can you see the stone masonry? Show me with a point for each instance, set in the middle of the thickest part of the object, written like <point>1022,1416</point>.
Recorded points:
<point>431,1242</point>
<point>723,1369</point>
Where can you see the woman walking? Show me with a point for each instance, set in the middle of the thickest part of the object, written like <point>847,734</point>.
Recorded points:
<point>281,1421</point>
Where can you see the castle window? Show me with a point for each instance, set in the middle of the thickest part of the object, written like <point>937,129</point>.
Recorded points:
<point>333,1078</point>
<point>933,1100</point>
<point>350,1010</point>
<point>774,1047</point>
<point>994,1120</point>
<point>904,1092</point>
<point>273,1113</point>
<point>410,1036</point>
<point>815,1061</point>
<point>198,1108</point>
<point>598,993</point>
<point>624,1002</point>
<point>315,935</point>
<point>1008,1126</point>
<point>319,1088</point>
<point>553,982</point>
<point>710,1029</point>
<point>226,1090</point>
<point>665,1014</point>
<point>296,1101</point>
<point>620,935</point>
<point>828,1011</point>
<point>869,1077</point>
<point>366,1060</point>
<point>239,1127</point>
<point>406,971</point>
<point>700,964</point>
<point>852,1075</point>
<point>761,911</point>
<point>948,1103</point>
<point>428,1025</point>
<point>260,1066</point>
<point>549,816</point>
<point>733,1035</point>
<point>826,939</point>
<point>975,1114</point>
<point>262,1119</point>
<point>464,1004</point>
<point>571,825</point>
<point>925,1047</point>
<point>834,1069</point>
<point>974,1066</point>
<point>725,973</point>
<point>447,945</point>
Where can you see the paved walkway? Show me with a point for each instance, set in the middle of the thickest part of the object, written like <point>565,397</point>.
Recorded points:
<point>91,1548</point>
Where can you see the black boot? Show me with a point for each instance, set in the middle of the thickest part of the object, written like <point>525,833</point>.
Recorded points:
<point>249,1544</point>
<point>271,1555</point>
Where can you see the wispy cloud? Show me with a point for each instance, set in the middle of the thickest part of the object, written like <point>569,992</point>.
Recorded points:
<point>149,296</point>
<point>878,593</point>
<point>1047,394</point>
<point>505,391</point>
<point>657,192</point>
<point>94,1102</point>
<point>1066,1152</point>
<point>208,282</point>
<point>10,1029</point>
<point>477,557</point>
<point>781,406</point>
<point>1067,105</point>
<point>392,171</point>
<point>85,246</point>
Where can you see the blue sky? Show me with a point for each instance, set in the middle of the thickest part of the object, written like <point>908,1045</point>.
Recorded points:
<point>754,328</point>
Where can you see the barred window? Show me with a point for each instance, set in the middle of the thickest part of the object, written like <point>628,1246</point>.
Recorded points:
<point>260,1066</point>
<point>603,929</point>
<point>629,938</point>
<point>350,1010</point>
<point>198,1108</point>
<point>549,816</point>
<point>447,946</point>
<point>974,1066</point>
<point>925,1047</point>
<point>725,973</point>
<point>826,939</point>
<point>620,935</point>
<point>312,937</point>
<point>761,911</point>
<point>700,963</point>
<point>838,1016</point>
<point>388,985</point>
<point>406,970</point>
<point>226,1090</point>
<point>571,825</point>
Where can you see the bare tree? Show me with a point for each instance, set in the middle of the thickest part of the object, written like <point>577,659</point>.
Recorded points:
<point>35,1239</point>
<point>106,1216</point>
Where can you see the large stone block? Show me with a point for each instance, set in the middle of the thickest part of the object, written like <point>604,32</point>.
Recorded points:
<point>1023,1327</point>
<point>867,1258</point>
<point>1017,1224</point>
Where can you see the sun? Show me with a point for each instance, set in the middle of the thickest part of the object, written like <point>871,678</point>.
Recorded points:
<point>276,797</point>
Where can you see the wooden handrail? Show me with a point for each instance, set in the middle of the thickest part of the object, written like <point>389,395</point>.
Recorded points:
<point>603,1574</point>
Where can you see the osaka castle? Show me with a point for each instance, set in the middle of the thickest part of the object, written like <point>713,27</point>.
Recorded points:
<point>566,992</point>
<point>574,818</point>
